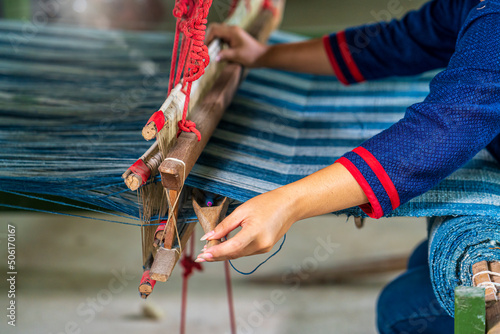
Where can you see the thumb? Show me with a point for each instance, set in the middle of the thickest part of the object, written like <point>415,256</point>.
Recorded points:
<point>227,54</point>
<point>225,227</point>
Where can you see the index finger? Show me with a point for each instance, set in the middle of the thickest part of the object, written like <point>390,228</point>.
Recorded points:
<point>238,246</point>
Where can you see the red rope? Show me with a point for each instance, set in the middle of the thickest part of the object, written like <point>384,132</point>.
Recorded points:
<point>230,303</point>
<point>188,266</point>
<point>190,61</point>
<point>268,4</point>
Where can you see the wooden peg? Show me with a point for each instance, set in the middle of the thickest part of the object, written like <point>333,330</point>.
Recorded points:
<point>209,216</point>
<point>493,308</point>
<point>147,283</point>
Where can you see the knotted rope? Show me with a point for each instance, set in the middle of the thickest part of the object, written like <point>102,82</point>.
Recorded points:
<point>190,62</point>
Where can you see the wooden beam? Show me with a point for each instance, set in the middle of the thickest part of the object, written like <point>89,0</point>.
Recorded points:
<point>347,272</point>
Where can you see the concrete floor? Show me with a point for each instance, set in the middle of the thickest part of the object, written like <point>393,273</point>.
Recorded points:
<point>67,269</point>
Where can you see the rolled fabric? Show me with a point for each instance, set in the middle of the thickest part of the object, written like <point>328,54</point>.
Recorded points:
<point>455,244</point>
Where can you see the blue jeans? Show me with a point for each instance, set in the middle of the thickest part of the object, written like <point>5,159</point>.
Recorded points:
<point>408,305</point>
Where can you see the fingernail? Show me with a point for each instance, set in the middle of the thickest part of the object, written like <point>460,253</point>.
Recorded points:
<point>206,256</point>
<point>208,235</point>
<point>217,58</point>
<point>200,260</point>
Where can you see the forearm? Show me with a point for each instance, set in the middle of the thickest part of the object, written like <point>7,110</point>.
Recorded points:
<point>328,190</point>
<point>306,57</point>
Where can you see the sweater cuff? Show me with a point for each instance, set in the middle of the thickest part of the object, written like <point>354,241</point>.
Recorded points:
<point>374,181</point>
<point>341,59</point>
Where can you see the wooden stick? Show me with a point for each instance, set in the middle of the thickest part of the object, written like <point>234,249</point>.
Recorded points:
<point>491,295</point>
<point>493,318</point>
<point>342,273</point>
<point>209,216</point>
<point>147,284</point>
<point>152,160</point>
<point>481,276</point>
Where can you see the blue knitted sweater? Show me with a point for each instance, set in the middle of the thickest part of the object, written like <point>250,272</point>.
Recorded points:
<point>459,117</point>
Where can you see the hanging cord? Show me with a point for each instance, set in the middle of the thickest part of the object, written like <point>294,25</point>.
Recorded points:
<point>270,256</point>
<point>188,266</point>
<point>197,59</point>
<point>230,302</point>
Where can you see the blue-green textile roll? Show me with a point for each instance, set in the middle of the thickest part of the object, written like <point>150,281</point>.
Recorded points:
<point>455,244</point>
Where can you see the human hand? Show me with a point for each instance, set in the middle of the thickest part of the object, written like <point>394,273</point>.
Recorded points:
<point>243,48</point>
<point>263,219</point>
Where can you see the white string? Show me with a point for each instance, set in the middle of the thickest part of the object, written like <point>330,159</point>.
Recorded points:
<point>492,285</point>
<point>492,273</point>
<point>171,207</point>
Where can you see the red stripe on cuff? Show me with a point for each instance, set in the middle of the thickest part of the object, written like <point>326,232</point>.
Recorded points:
<point>346,54</point>
<point>381,174</point>
<point>373,209</point>
<point>333,61</point>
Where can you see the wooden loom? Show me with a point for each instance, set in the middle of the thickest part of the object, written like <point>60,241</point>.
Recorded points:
<point>174,157</point>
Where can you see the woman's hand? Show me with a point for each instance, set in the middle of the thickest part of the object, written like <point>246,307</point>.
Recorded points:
<point>266,218</point>
<point>263,219</point>
<point>243,48</point>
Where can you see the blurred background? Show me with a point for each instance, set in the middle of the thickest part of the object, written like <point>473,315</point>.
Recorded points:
<point>312,17</point>
<point>68,268</point>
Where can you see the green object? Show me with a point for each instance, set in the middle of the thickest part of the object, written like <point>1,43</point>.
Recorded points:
<point>470,310</point>
<point>17,9</point>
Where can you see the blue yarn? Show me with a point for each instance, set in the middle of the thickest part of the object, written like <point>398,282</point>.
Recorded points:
<point>68,204</point>
<point>65,214</point>
<point>251,272</point>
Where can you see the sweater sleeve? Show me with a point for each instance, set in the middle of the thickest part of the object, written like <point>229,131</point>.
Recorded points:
<point>422,40</point>
<point>459,117</point>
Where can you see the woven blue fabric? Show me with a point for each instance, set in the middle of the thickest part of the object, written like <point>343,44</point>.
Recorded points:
<point>455,244</point>
<point>73,102</point>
